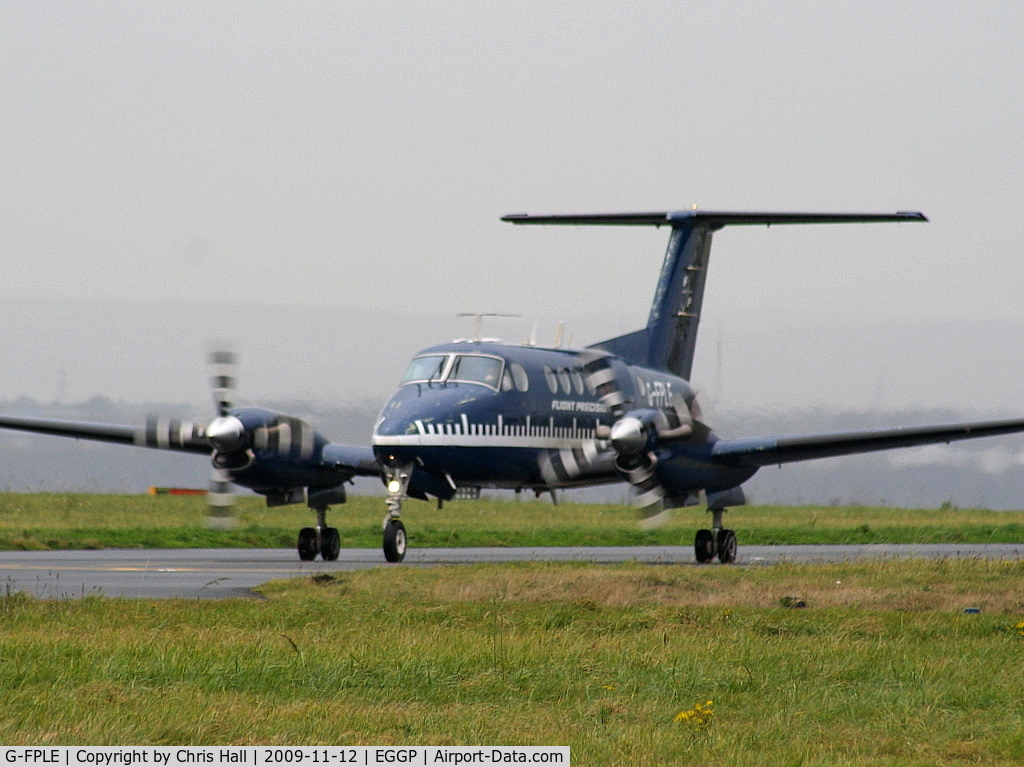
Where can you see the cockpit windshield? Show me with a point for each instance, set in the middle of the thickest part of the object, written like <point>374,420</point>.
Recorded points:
<point>457,368</point>
<point>474,368</point>
<point>427,368</point>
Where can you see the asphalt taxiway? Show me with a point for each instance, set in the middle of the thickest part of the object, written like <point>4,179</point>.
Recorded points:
<point>223,573</point>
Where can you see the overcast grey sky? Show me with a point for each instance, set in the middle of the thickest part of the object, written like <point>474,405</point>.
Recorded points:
<point>360,154</point>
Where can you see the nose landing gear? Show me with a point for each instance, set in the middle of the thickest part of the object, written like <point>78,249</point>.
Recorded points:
<point>397,476</point>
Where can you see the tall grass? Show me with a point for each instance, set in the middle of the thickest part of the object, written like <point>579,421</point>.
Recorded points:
<point>54,521</point>
<point>881,667</point>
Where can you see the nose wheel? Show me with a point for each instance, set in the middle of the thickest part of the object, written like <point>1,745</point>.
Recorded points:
<point>394,540</point>
<point>397,477</point>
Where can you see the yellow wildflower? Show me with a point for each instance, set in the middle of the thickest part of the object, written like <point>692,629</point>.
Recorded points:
<point>700,714</point>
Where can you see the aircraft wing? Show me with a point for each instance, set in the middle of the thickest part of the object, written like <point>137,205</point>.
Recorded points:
<point>359,460</point>
<point>768,451</point>
<point>164,433</point>
<point>182,436</point>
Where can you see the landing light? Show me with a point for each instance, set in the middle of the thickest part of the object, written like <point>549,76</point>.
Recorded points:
<point>394,486</point>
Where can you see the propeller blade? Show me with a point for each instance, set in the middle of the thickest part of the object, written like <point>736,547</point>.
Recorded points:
<point>221,502</point>
<point>648,492</point>
<point>223,362</point>
<point>601,379</point>
<point>564,466</point>
<point>225,434</point>
<point>639,471</point>
<point>654,519</point>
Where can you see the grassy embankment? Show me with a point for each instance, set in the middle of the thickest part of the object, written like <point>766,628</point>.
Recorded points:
<point>60,521</point>
<point>626,664</point>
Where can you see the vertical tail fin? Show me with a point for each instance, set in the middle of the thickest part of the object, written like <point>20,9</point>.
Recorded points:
<point>670,338</point>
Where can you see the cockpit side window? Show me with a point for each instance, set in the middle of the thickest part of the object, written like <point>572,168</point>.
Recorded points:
<point>429,367</point>
<point>515,377</point>
<point>474,368</point>
<point>519,377</point>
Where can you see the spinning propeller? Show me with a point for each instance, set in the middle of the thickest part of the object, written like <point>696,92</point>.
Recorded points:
<point>629,444</point>
<point>236,435</point>
<point>635,435</point>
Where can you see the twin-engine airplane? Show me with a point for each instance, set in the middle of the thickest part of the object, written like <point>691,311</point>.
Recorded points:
<point>474,414</point>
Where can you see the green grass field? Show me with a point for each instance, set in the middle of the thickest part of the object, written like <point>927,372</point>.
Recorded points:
<point>626,664</point>
<point>60,521</point>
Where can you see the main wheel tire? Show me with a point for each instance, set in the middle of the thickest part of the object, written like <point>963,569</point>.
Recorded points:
<point>394,541</point>
<point>704,546</point>
<point>726,546</point>
<point>330,544</point>
<point>307,544</point>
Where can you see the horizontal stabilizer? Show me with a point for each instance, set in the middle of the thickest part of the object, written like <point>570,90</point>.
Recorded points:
<point>712,219</point>
<point>769,451</point>
<point>669,340</point>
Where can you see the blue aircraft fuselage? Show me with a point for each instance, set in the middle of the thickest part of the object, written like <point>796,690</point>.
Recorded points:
<point>487,414</point>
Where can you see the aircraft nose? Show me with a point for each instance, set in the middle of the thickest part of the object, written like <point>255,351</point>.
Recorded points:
<point>628,435</point>
<point>226,433</point>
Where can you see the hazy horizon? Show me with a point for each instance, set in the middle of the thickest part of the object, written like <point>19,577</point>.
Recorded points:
<point>72,349</point>
<point>322,184</point>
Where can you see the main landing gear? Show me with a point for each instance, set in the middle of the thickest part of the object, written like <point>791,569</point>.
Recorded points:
<point>326,541</point>
<point>715,542</point>
<point>322,540</point>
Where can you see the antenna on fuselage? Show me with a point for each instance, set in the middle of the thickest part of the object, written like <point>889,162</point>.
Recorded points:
<point>478,335</point>
<point>560,337</point>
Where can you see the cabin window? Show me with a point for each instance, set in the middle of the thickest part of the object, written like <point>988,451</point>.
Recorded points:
<point>577,380</point>
<point>552,379</point>
<point>430,367</point>
<point>474,368</point>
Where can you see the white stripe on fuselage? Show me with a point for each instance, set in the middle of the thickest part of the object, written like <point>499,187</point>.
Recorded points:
<point>500,434</point>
